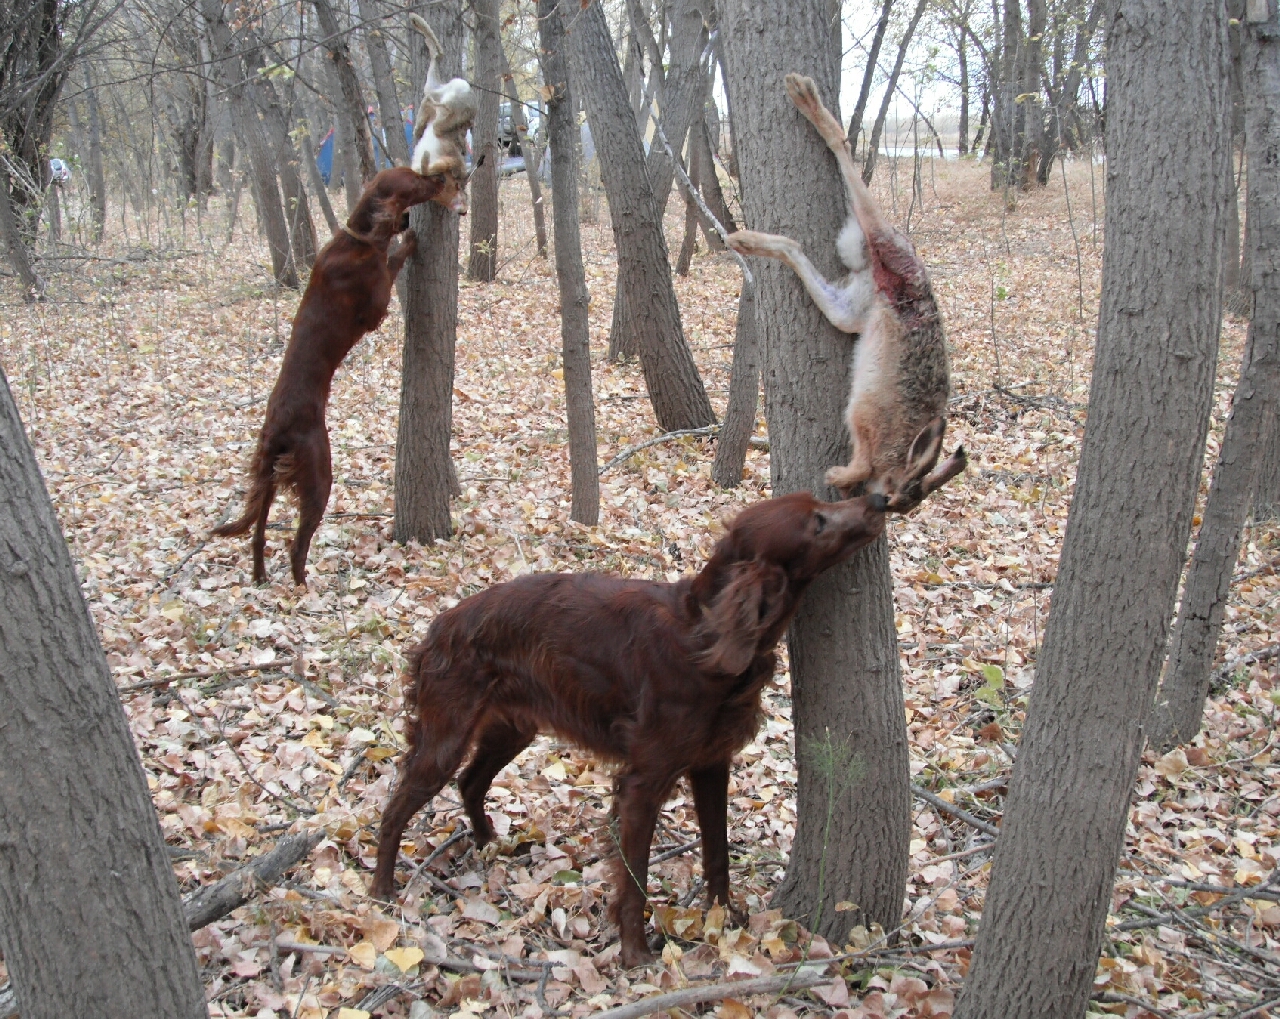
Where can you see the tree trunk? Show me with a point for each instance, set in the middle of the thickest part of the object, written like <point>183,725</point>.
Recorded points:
<point>97,180</point>
<point>962,145</point>
<point>1006,113</point>
<point>317,182</point>
<point>249,129</point>
<point>853,800</point>
<point>483,262</point>
<point>680,90</point>
<point>868,76</point>
<point>709,184</point>
<point>90,918</point>
<point>1126,540</point>
<point>873,146</point>
<point>744,393</point>
<point>351,102</point>
<point>375,42</point>
<point>531,152</point>
<point>690,238</point>
<point>576,350</point>
<point>1266,488</point>
<point>1030,103</point>
<point>425,477</point>
<point>644,271</point>
<point>19,257</point>
<point>1180,704</point>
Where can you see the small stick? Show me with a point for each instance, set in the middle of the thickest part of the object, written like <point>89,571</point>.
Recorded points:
<point>954,811</point>
<point>716,992</point>
<point>236,670</point>
<point>631,451</point>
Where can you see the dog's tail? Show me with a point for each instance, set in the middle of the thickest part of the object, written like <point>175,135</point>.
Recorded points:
<point>261,493</point>
<point>433,44</point>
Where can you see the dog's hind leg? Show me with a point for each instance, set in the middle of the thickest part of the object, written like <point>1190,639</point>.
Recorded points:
<point>260,529</point>
<point>313,480</point>
<point>499,742</point>
<point>711,800</point>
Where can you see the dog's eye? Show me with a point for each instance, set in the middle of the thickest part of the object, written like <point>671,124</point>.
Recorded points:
<point>819,523</point>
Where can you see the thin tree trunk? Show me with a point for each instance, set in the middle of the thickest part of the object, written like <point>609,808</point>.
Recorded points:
<point>962,145</point>
<point>744,393</point>
<point>873,146</point>
<point>425,477</point>
<point>576,350</point>
<point>352,101</point>
<point>97,179</point>
<point>1180,703</point>
<point>483,261</point>
<point>317,182</point>
<point>530,151</point>
<point>644,270</point>
<point>690,238</point>
<point>709,185</point>
<point>90,918</point>
<point>680,89</point>
<point>853,801</point>
<point>375,42</point>
<point>868,75</point>
<point>1126,539</point>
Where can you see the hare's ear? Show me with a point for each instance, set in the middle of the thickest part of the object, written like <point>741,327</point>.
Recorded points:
<point>945,471</point>
<point>744,611</point>
<point>926,448</point>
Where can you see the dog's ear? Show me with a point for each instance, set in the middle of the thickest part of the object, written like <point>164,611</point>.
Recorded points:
<point>745,609</point>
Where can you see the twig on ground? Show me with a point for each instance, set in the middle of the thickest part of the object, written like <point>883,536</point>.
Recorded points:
<point>954,811</point>
<point>177,677</point>
<point>214,901</point>
<point>630,451</point>
<point>718,992</point>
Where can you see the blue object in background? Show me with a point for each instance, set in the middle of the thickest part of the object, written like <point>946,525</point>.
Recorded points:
<point>324,157</point>
<point>381,158</point>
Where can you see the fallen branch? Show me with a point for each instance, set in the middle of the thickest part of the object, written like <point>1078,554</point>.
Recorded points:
<point>1264,654</point>
<point>797,981</point>
<point>954,811</point>
<point>630,451</point>
<point>177,677</point>
<point>214,901</point>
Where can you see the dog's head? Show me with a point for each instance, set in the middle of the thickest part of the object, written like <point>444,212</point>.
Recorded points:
<point>749,589</point>
<point>381,211</point>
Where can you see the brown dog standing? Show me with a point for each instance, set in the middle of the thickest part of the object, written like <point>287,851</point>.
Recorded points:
<point>664,679</point>
<point>347,296</point>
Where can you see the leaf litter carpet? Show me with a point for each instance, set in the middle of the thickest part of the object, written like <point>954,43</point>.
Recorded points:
<point>260,711</point>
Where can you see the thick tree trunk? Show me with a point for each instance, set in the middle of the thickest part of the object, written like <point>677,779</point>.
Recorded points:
<point>384,82</point>
<point>853,799</point>
<point>1266,488</point>
<point>877,129</point>
<point>644,271</point>
<point>1180,703</point>
<point>1130,518</point>
<point>868,75</point>
<point>90,918</point>
<point>351,101</point>
<point>744,393</point>
<point>19,257</point>
<point>530,151</point>
<point>425,478</point>
<point>576,350</point>
<point>483,261</point>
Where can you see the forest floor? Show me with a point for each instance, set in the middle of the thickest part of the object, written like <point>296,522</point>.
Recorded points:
<point>142,383</point>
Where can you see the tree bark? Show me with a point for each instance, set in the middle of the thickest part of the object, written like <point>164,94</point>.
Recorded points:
<point>709,184</point>
<point>1180,703</point>
<point>644,270</point>
<point>19,258</point>
<point>90,918</point>
<point>352,102</point>
<point>575,346</point>
<point>868,75</point>
<point>873,145</point>
<point>384,82</point>
<point>529,150</point>
<point>425,477</point>
<point>853,797</point>
<point>483,261</point>
<point>1130,518</point>
<point>1266,489</point>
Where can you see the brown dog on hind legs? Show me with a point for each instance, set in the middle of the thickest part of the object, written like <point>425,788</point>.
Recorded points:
<point>346,297</point>
<point>897,407</point>
<point>664,679</point>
